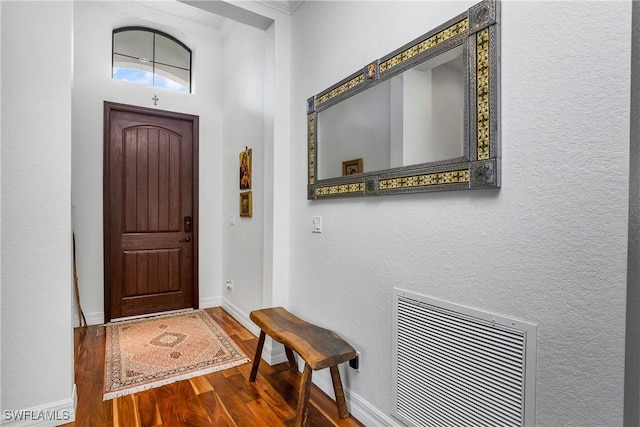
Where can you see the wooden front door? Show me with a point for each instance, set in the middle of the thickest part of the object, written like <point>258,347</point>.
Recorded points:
<point>150,211</point>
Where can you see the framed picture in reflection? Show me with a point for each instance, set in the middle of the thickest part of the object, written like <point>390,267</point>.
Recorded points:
<point>350,167</point>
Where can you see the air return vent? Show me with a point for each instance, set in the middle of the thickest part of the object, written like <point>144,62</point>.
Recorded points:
<point>454,366</point>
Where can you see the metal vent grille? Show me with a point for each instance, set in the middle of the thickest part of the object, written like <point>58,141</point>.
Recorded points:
<point>459,367</point>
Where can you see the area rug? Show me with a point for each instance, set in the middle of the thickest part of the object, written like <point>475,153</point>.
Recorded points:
<point>148,353</point>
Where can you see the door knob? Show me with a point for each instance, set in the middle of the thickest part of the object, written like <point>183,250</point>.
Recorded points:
<point>186,239</point>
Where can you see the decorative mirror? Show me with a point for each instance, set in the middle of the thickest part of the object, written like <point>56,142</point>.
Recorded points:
<point>422,118</point>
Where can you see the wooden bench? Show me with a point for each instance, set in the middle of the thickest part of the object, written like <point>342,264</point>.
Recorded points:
<point>320,348</point>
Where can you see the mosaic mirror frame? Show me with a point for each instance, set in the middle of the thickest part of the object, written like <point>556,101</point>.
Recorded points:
<point>477,30</point>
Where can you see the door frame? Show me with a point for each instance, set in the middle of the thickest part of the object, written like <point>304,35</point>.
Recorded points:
<point>106,184</point>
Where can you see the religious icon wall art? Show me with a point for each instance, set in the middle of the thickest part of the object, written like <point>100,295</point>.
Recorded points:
<point>245,169</point>
<point>246,202</point>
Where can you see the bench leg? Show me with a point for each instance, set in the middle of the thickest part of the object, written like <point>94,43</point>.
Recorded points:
<point>303,397</point>
<point>258,356</point>
<point>337,388</point>
<point>293,365</point>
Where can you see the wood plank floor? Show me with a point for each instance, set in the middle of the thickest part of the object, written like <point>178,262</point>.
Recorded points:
<point>220,399</point>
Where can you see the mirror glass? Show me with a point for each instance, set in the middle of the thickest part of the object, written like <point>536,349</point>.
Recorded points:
<point>415,117</point>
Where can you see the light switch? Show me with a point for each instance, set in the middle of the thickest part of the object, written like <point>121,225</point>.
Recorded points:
<point>316,224</point>
<point>232,220</point>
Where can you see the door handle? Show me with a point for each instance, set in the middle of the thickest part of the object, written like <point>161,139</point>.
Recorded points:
<point>186,239</point>
<point>187,224</point>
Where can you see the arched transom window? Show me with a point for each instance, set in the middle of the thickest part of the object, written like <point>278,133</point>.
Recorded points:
<point>143,55</point>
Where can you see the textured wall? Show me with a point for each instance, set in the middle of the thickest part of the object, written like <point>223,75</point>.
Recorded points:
<point>36,206</point>
<point>549,247</point>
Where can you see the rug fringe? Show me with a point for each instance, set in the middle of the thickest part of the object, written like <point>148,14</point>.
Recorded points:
<point>182,377</point>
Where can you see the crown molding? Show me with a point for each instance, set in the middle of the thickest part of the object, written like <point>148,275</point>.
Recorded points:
<point>284,6</point>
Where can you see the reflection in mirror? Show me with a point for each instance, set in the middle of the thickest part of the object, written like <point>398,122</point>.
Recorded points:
<point>414,117</point>
<point>358,127</point>
<point>422,118</point>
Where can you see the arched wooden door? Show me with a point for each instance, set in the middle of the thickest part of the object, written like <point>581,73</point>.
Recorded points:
<point>150,211</point>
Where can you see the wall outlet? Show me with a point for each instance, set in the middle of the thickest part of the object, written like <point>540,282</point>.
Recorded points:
<point>229,285</point>
<point>355,362</point>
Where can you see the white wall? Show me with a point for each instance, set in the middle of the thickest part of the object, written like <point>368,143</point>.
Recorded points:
<point>549,247</point>
<point>277,107</point>
<point>271,215</point>
<point>36,208</point>
<point>93,24</point>
<point>244,126</point>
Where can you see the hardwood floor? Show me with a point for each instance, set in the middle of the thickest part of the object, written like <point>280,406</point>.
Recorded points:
<point>220,399</point>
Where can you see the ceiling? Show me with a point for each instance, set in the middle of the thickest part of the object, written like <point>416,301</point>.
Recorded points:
<point>221,16</point>
<point>228,11</point>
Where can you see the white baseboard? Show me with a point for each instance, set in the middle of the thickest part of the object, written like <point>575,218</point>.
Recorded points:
<point>359,408</point>
<point>240,316</point>
<point>367,413</point>
<point>272,352</point>
<point>96,318</point>
<point>210,302</point>
<point>49,414</point>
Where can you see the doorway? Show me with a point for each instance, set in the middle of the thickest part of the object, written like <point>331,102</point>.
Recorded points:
<point>150,211</point>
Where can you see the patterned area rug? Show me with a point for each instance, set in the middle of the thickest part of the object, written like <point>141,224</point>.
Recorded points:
<point>148,353</point>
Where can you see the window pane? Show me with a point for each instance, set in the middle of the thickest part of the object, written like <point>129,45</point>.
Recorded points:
<point>162,63</point>
<point>120,61</point>
<point>133,76</point>
<point>172,78</point>
<point>138,44</point>
<point>171,53</point>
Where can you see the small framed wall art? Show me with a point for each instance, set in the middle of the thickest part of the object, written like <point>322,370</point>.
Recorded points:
<point>350,167</point>
<point>245,169</point>
<point>246,208</point>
